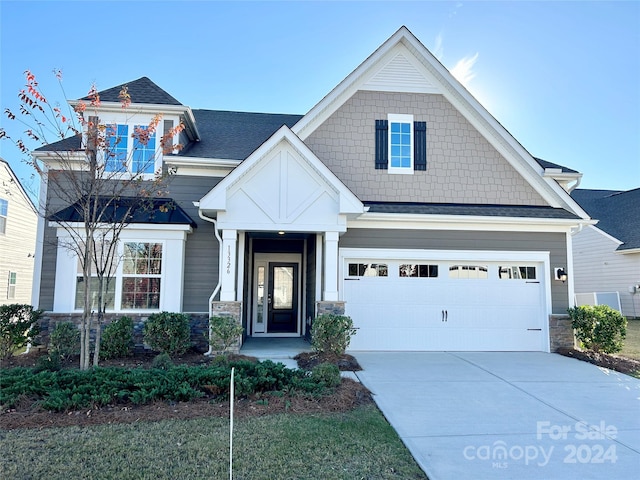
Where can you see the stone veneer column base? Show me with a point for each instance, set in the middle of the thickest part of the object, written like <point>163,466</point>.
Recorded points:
<point>335,308</point>
<point>229,309</point>
<point>560,332</point>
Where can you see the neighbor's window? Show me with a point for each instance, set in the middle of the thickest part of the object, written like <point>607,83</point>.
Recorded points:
<point>13,281</point>
<point>400,145</point>
<point>419,270</point>
<point>518,273</point>
<point>4,206</point>
<point>141,274</point>
<point>468,271</point>
<point>368,270</point>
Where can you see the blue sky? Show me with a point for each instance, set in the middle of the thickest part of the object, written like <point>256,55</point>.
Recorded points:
<point>562,77</point>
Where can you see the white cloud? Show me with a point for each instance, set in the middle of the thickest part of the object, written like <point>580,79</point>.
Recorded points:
<point>437,48</point>
<point>463,70</point>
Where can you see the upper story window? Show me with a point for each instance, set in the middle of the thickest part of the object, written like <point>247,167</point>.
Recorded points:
<point>401,144</point>
<point>4,206</point>
<point>141,158</point>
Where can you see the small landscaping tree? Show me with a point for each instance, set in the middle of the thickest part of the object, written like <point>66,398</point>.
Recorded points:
<point>18,327</point>
<point>64,341</point>
<point>332,334</point>
<point>168,332</point>
<point>224,332</point>
<point>599,328</point>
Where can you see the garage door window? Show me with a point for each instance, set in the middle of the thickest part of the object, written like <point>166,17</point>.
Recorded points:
<point>517,273</point>
<point>419,270</point>
<point>368,270</point>
<point>469,271</point>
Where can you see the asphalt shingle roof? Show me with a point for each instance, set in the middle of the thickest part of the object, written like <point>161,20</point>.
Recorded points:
<point>547,164</point>
<point>618,213</point>
<point>234,135</point>
<point>142,90</point>
<point>162,211</point>
<point>470,209</point>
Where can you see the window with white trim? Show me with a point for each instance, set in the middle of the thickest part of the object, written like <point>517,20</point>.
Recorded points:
<point>400,143</point>
<point>13,282</point>
<point>4,207</point>
<point>141,158</point>
<point>135,285</point>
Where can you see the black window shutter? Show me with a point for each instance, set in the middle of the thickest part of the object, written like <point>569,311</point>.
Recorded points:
<point>420,145</point>
<point>382,144</point>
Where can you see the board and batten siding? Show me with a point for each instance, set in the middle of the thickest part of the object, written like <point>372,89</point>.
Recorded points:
<point>599,268</point>
<point>18,243</point>
<point>554,243</point>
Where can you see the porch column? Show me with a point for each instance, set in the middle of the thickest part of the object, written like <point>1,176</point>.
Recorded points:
<point>228,267</point>
<point>330,266</point>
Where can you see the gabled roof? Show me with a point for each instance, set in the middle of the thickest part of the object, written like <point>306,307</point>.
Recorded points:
<point>234,135</point>
<point>18,184</point>
<point>161,211</point>
<point>547,164</point>
<point>405,63</point>
<point>617,212</point>
<point>142,90</point>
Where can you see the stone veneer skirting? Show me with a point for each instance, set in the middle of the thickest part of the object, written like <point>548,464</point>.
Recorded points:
<point>335,308</point>
<point>199,327</point>
<point>561,333</point>
<point>229,309</point>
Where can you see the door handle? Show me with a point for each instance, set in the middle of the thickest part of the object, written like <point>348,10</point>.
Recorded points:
<point>442,320</point>
<point>446,315</point>
<point>269,299</point>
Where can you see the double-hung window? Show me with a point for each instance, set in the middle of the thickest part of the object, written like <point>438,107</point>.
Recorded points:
<point>401,144</point>
<point>4,207</point>
<point>117,142</point>
<point>144,150</point>
<point>13,282</point>
<point>141,275</point>
<point>141,158</point>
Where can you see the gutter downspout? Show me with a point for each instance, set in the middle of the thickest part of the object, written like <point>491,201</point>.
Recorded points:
<point>217,289</point>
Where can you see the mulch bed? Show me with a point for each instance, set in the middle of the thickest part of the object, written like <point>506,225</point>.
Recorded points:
<point>347,396</point>
<point>345,362</point>
<point>624,365</point>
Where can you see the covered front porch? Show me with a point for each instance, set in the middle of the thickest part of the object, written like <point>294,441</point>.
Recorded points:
<point>278,218</point>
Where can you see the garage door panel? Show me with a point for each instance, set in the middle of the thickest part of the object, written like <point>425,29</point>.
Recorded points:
<point>488,313</point>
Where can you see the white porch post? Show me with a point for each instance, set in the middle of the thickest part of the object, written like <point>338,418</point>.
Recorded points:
<point>330,293</point>
<point>228,267</point>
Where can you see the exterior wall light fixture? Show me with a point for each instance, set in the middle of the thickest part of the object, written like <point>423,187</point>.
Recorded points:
<point>561,274</point>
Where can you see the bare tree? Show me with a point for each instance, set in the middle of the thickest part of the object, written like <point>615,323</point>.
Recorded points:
<point>96,186</point>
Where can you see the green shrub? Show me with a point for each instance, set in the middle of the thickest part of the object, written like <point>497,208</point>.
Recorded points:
<point>224,333</point>
<point>599,328</point>
<point>117,339</point>
<point>64,341</point>
<point>332,333</point>
<point>18,327</point>
<point>72,389</point>
<point>327,374</point>
<point>168,332</point>
<point>162,362</point>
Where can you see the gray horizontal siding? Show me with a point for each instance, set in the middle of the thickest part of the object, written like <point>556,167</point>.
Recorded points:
<point>555,243</point>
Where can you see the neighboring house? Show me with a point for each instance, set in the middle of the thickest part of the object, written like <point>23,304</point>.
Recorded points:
<point>397,199</point>
<point>18,226</point>
<point>606,256</point>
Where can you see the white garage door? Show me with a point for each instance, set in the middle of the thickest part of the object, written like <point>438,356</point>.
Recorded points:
<point>439,305</point>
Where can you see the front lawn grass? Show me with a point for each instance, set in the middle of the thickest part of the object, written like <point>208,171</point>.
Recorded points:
<point>631,346</point>
<point>353,445</point>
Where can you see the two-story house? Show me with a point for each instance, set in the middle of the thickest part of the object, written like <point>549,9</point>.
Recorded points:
<point>397,199</point>
<point>18,225</point>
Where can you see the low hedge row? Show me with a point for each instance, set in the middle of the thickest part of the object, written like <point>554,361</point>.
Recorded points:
<point>75,389</point>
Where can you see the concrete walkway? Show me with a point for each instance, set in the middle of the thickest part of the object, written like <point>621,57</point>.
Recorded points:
<point>508,415</point>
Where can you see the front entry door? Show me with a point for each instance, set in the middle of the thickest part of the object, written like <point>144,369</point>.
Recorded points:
<point>282,299</point>
<point>276,295</point>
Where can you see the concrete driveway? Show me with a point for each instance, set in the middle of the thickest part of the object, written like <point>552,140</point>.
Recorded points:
<point>508,415</point>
